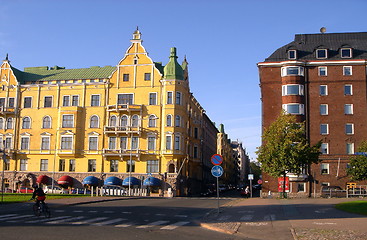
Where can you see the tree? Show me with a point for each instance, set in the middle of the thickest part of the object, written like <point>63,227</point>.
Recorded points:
<point>358,164</point>
<point>285,148</point>
<point>256,170</point>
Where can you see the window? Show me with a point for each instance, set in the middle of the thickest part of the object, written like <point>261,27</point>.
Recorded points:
<point>195,152</point>
<point>169,97</point>
<point>292,54</point>
<point>292,71</point>
<point>46,122</point>
<point>301,187</point>
<point>134,143</point>
<point>48,102</point>
<point>67,121</point>
<point>294,108</point>
<point>125,77</point>
<point>72,165</point>
<point>1,123</point>
<point>347,71</point>
<point>62,165</point>
<point>178,121</point>
<point>93,143</point>
<point>130,166</point>
<point>348,109</point>
<point>152,121</point>
<point>152,166</point>
<point>91,165</point>
<point>324,109</point>
<point>94,101</point>
<point>147,76</point>
<point>152,98</point>
<point>324,129</point>
<point>124,121</point>
<point>322,71</point>
<point>112,143</point>
<point>114,167</point>
<point>75,100</point>
<point>94,122</point>
<point>348,89</point>
<point>324,148</point>
<point>2,102</point>
<point>177,142</point>
<point>8,142</point>
<point>292,89</point>
<point>321,53</point>
<point>151,143</point>
<point>113,121</point>
<point>11,102</point>
<point>23,164</point>
<point>178,98</point>
<point>66,142</point>
<point>9,123</point>
<point>123,143</point>
<point>324,168</point>
<point>169,120</point>
<point>66,101</point>
<point>349,128</point>
<point>27,102</point>
<point>26,124</point>
<point>350,148</point>
<point>168,142</point>
<point>135,121</point>
<point>196,133</point>
<point>125,98</point>
<point>346,52</point>
<point>45,143</point>
<point>323,90</point>
<point>44,165</point>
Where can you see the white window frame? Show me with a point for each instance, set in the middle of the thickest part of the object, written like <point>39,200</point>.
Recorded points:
<point>325,168</point>
<point>45,145</point>
<point>349,50</point>
<point>320,71</point>
<point>152,120</point>
<point>351,126</point>
<point>62,146</point>
<point>112,143</point>
<point>324,149</point>
<point>300,108</point>
<point>326,108</point>
<point>44,101</point>
<point>24,143</point>
<point>66,102</point>
<point>345,68</point>
<point>66,125</point>
<point>349,148</point>
<point>91,124</point>
<point>326,90</point>
<point>285,71</point>
<point>90,146</point>
<point>29,125</point>
<point>28,97</point>
<point>350,86</point>
<point>151,143</point>
<point>290,52</point>
<point>169,120</point>
<point>318,51</point>
<point>23,165</point>
<point>99,100</point>
<point>43,122</point>
<point>350,107</point>
<point>168,141</point>
<point>177,142</point>
<point>169,98</point>
<point>153,98</point>
<point>286,92</point>
<point>324,129</point>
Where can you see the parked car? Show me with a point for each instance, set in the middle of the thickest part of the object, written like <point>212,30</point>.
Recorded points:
<point>25,190</point>
<point>55,189</point>
<point>357,191</point>
<point>332,191</point>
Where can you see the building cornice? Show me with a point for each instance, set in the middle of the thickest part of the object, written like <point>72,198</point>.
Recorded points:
<point>312,63</point>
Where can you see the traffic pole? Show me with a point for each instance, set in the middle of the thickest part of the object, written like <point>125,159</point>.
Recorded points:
<point>218,193</point>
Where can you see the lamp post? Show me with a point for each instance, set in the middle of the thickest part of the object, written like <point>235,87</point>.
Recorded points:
<point>3,174</point>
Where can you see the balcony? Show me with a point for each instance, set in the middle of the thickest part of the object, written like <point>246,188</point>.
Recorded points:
<point>121,152</point>
<point>119,129</point>
<point>6,110</point>
<point>124,108</point>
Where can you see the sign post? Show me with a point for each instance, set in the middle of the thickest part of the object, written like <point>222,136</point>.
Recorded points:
<point>251,177</point>
<point>217,171</point>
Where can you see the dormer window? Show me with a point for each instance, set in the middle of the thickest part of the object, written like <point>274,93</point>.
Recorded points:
<point>321,53</point>
<point>346,52</point>
<point>292,54</point>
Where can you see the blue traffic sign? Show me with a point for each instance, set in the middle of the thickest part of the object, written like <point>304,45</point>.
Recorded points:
<point>217,159</point>
<point>217,171</point>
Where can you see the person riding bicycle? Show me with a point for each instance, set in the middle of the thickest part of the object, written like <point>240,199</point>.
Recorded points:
<point>39,195</point>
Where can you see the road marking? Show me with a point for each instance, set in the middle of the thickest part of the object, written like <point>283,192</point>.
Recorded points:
<point>324,223</point>
<point>124,225</point>
<point>65,220</point>
<point>92,211</point>
<point>225,217</point>
<point>7,215</point>
<point>109,222</point>
<point>174,226</point>
<point>152,224</point>
<point>47,219</point>
<point>160,214</point>
<point>246,217</point>
<point>59,211</point>
<point>257,224</point>
<point>126,212</point>
<point>183,216</point>
<point>17,217</point>
<point>89,221</point>
<point>78,211</point>
<point>108,211</point>
<point>269,217</point>
<point>246,211</point>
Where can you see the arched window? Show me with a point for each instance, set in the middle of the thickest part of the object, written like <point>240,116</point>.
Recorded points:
<point>178,121</point>
<point>46,122</point>
<point>169,121</point>
<point>26,124</point>
<point>171,168</point>
<point>113,121</point>
<point>151,121</point>
<point>9,123</point>
<point>94,121</point>
<point>135,121</point>
<point>124,121</point>
<point>1,123</point>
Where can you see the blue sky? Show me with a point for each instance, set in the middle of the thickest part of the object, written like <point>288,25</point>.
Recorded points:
<point>222,40</point>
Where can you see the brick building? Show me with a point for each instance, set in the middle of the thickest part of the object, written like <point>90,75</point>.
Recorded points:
<point>320,78</point>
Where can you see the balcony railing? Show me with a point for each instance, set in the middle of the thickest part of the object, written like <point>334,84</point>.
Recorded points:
<point>124,107</point>
<point>121,152</point>
<point>119,129</point>
<point>6,110</point>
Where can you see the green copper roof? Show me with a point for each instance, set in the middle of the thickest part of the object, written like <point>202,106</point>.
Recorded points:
<point>173,70</point>
<point>33,74</point>
<point>221,128</point>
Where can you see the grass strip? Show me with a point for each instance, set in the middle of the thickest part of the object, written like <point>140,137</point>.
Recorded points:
<point>359,207</point>
<point>23,197</point>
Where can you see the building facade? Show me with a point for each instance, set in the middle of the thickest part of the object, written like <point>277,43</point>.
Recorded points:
<point>321,79</point>
<point>137,119</point>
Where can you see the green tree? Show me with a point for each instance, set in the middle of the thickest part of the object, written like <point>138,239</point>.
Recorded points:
<point>358,164</point>
<point>285,148</point>
<point>256,170</point>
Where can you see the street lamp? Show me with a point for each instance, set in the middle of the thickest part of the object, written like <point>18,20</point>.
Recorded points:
<point>2,176</point>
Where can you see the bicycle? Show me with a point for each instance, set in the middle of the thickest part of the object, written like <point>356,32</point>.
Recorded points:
<point>42,208</point>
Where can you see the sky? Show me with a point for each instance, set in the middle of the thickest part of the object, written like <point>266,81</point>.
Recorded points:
<point>222,40</point>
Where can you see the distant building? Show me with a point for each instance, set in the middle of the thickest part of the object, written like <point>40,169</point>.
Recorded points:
<point>321,79</point>
<point>243,161</point>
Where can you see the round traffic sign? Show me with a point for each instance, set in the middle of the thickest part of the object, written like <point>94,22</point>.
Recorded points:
<point>217,171</point>
<point>217,159</point>
<point>259,181</point>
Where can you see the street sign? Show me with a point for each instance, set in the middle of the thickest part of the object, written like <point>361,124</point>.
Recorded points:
<point>217,159</point>
<point>217,171</point>
<point>251,177</point>
<point>281,184</point>
<point>259,181</point>
<point>361,153</point>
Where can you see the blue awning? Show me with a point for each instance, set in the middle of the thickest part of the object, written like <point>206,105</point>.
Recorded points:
<point>91,180</point>
<point>152,181</point>
<point>112,181</point>
<point>132,180</point>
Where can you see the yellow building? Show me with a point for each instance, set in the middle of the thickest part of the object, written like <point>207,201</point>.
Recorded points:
<point>137,119</point>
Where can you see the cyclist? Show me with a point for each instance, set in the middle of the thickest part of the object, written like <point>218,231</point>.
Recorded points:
<point>39,195</point>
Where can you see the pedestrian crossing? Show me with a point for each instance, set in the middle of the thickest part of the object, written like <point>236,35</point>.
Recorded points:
<point>90,221</point>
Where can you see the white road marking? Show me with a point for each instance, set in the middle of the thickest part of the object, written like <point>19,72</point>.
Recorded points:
<point>109,222</point>
<point>183,216</point>
<point>257,224</point>
<point>7,215</point>
<point>47,219</point>
<point>174,226</point>
<point>65,220</point>
<point>160,214</point>
<point>78,211</point>
<point>225,217</point>
<point>246,211</point>
<point>124,225</point>
<point>59,211</point>
<point>324,223</point>
<point>92,211</point>
<point>152,224</point>
<point>126,212</point>
<point>17,217</point>
<point>269,217</point>
<point>246,217</point>
<point>89,221</point>
<point>108,211</point>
